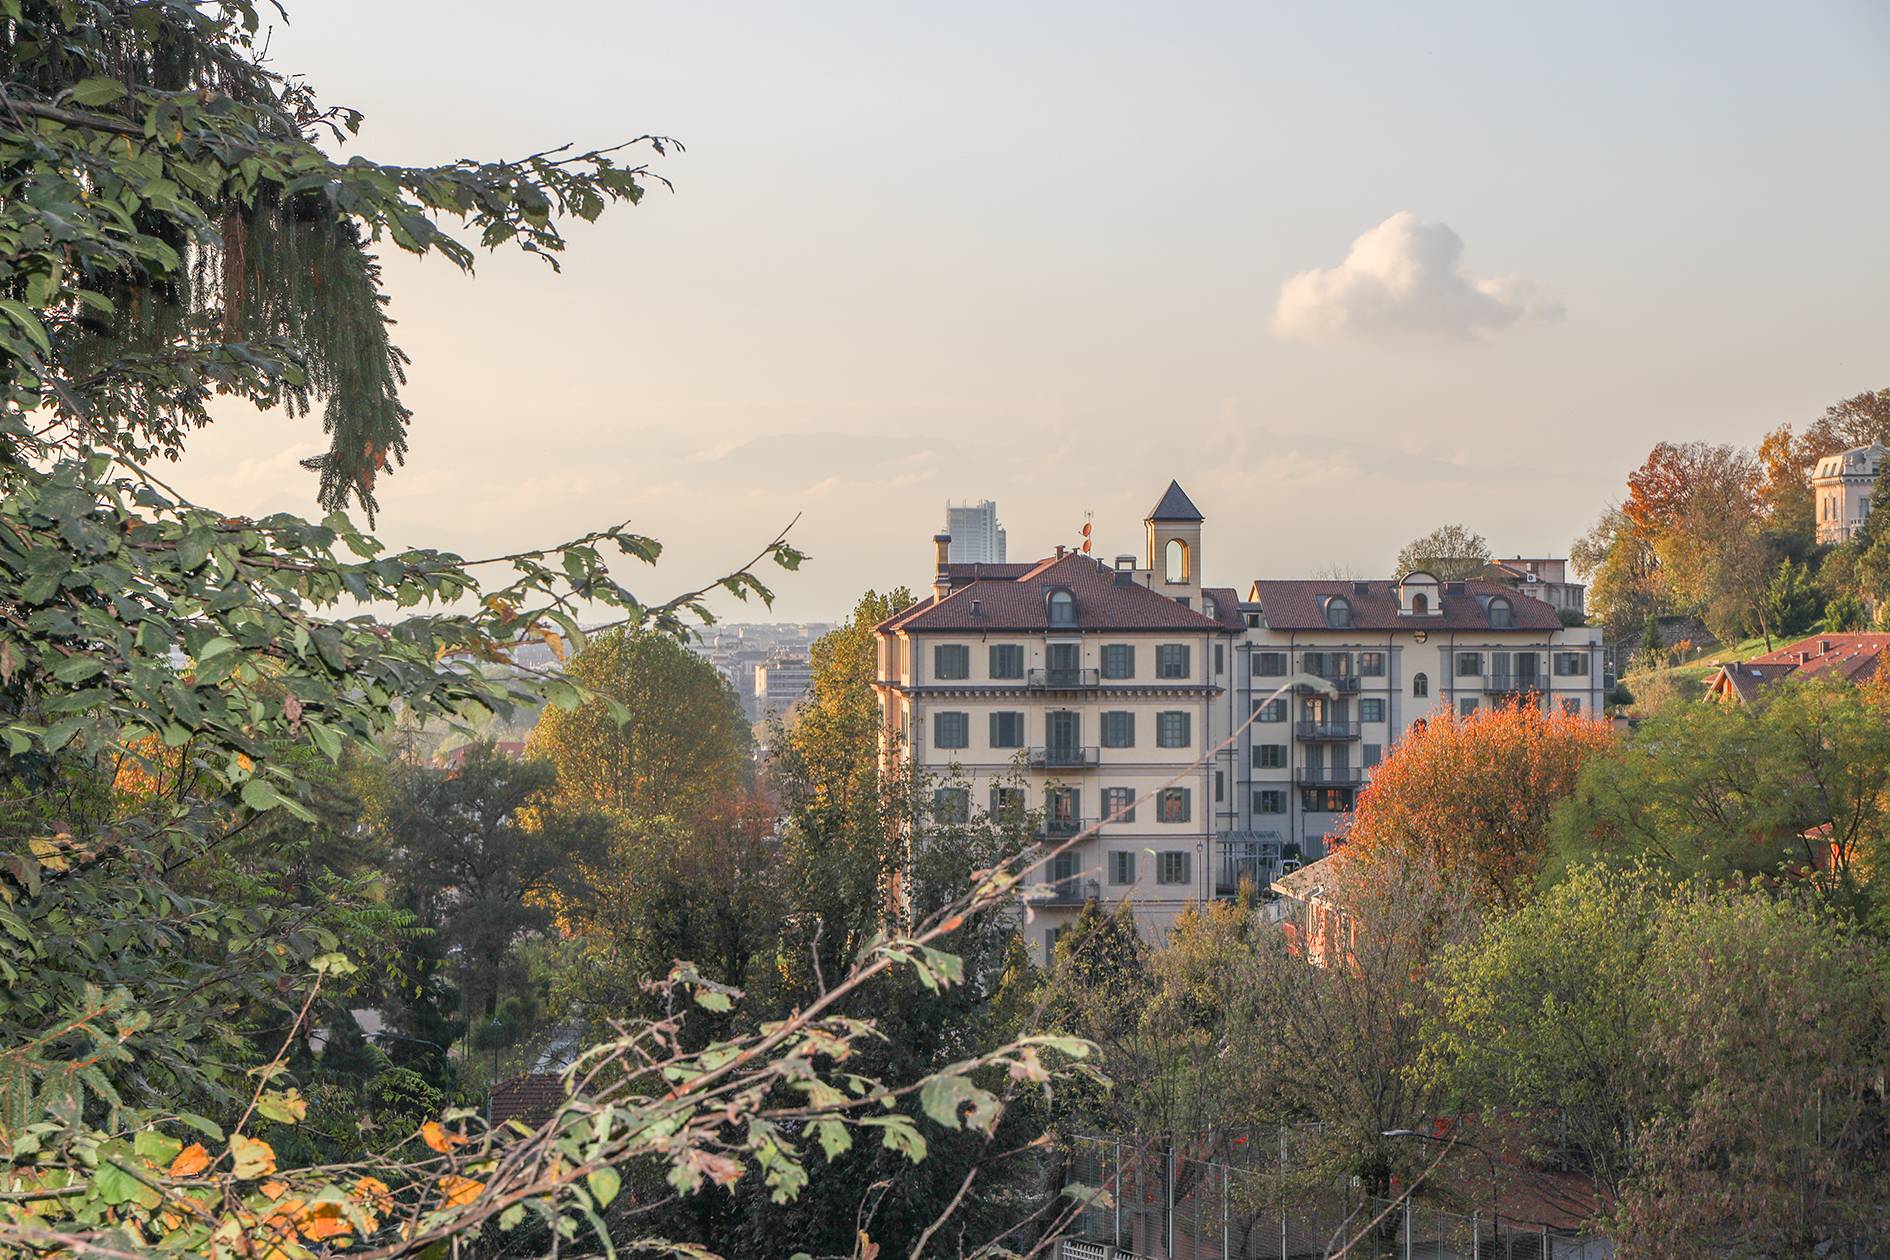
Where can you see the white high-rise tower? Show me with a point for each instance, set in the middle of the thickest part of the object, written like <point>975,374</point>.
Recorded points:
<point>977,538</point>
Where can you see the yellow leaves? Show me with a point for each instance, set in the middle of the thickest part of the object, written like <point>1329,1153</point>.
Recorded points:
<point>460,1191</point>
<point>50,851</point>
<point>324,1221</point>
<point>374,1192</point>
<point>252,1157</point>
<point>439,1138</point>
<point>284,1107</point>
<point>190,1161</point>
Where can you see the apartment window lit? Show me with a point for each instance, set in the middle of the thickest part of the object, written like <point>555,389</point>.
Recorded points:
<point>1175,562</point>
<point>1502,615</point>
<point>1269,664</point>
<point>1118,804</point>
<point>1007,660</point>
<point>1122,867</point>
<point>1269,756</point>
<point>1325,800</point>
<point>1171,660</point>
<point>1007,804</point>
<point>1062,608</point>
<point>1420,684</point>
<point>1371,664</point>
<point>1371,710</point>
<point>1469,664</point>
<point>951,730</point>
<point>1339,613</point>
<point>951,805</point>
<point>1007,730</point>
<point>1118,729</point>
<point>1269,801</point>
<point>1171,729</point>
<point>1172,866</point>
<point>951,661</point>
<point>1118,660</point>
<point>1171,806</point>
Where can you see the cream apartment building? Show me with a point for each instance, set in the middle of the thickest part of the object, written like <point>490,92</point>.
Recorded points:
<point>1083,691</point>
<point>1394,652</point>
<point>1842,486</point>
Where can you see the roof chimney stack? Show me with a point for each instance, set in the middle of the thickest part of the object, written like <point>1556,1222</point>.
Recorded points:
<point>942,574</point>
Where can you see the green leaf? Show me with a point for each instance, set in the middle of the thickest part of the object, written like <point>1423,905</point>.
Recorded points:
<point>945,1096</point>
<point>259,796</point>
<point>604,1183</point>
<point>97,91</point>
<point>154,1146</point>
<point>510,1218</point>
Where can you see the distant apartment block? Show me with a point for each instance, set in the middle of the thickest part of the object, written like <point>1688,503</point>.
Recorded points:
<point>976,536</point>
<point>1117,696</point>
<point>1542,578</point>
<point>780,681</point>
<point>1842,486</point>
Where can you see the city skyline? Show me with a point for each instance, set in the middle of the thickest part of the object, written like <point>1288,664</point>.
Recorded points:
<point>1464,282</point>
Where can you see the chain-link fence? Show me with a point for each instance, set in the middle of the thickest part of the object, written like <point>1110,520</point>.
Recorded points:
<point>1161,1202</point>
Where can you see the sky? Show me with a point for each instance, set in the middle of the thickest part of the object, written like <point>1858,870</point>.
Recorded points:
<point>1347,272</point>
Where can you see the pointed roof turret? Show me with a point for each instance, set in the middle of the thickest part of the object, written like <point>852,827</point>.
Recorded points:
<point>1175,506</point>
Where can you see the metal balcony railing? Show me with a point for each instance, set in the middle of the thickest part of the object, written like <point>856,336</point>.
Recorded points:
<point>1328,776</point>
<point>1060,828</point>
<point>1344,684</point>
<point>1074,891</point>
<point>1317,731</point>
<point>1061,679</point>
<point>1516,685</point>
<point>1059,757</point>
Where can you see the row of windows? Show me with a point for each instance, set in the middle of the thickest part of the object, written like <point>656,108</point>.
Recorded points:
<point>1326,800</point>
<point>1372,664</point>
<point>1172,805</point>
<point>952,661</point>
<point>1174,728</point>
<point>1273,756</point>
<point>1570,705</point>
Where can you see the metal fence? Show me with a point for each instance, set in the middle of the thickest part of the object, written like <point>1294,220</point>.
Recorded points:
<point>1159,1202</point>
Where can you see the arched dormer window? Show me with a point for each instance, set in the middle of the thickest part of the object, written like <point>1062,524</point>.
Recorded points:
<point>1339,613</point>
<point>1175,562</point>
<point>1062,607</point>
<point>1502,614</point>
<point>1420,603</point>
<point>1420,684</point>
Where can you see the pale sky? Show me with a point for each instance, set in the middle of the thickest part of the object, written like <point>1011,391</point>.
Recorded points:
<point>1348,272</point>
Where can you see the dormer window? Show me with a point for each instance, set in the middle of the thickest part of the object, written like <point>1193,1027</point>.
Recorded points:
<point>1062,608</point>
<point>1420,603</point>
<point>1502,615</point>
<point>1339,613</point>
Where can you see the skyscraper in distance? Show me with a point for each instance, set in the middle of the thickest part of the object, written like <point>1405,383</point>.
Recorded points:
<point>977,538</point>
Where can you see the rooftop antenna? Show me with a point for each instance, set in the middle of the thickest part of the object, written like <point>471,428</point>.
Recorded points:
<point>1088,519</point>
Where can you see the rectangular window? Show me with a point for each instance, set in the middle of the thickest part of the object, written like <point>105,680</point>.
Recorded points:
<point>1172,805</point>
<point>1371,664</point>
<point>1469,664</point>
<point>1007,804</point>
<point>1007,660</point>
<point>1466,706</point>
<point>1269,801</point>
<point>1118,660</point>
<point>1118,729</point>
<point>1572,706</point>
<point>1371,710</point>
<point>1269,756</point>
<point>951,805</point>
<point>1220,658</point>
<point>1122,867</point>
<point>1269,664</point>
<point>1374,753</point>
<point>1172,866</point>
<point>1171,660</point>
<point>951,661</point>
<point>1007,730</point>
<point>1273,710</point>
<point>951,730</point>
<point>1171,729</point>
<point>1571,664</point>
<point>1220,785</point>
<point>1325,800</point>
<point>1118,804</point>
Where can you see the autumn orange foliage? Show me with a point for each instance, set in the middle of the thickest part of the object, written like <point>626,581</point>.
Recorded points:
<point>1474,794</point>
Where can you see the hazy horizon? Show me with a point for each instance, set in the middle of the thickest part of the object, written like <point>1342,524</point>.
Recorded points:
<point>1347,275</point>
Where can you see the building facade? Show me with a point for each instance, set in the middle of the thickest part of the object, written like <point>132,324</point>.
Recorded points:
<point>976,536</point>
<point>1842,486</point>
<point>780,681</point>
<point>1394,653</point>
<point>1544,578</point>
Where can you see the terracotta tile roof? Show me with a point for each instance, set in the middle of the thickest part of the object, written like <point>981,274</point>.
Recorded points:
<point>530,1099</point>
<point>972,571</point>
<point>1021,603</point>
<point>1299,604</point>
<point>1851,655</point>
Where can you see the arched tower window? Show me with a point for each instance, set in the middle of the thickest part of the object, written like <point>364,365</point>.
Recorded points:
<point>1062,608</point>
<point>1175,562</point>
<point>1420,684</point>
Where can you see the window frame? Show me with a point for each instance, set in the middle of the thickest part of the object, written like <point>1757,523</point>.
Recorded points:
<point>1060,598</point>
<point>1105,736</point>
<point>1017,714</point>
<point>1122,794</point>
<point>1168,653</point>
<point>1111,657</point>
<point>1121,868</point>
<point>1174,800</point>
<point>1165,720</point>
<point>959,652</point>
<point>1010,651</point>
<point>1174,868</point>
<point>939,717</point>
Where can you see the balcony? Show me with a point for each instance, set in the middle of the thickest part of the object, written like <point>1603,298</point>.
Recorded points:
<point>1328,776</point>
<point>1060,828</point>
<point>1325,732</point>
<point>1519,685</point>
<point>1059,757</point>
<point>1344,684</point>
<point>1061,679</point>
<point>1063,892</point>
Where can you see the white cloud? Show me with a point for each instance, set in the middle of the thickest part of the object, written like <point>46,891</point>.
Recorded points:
<point>1404,280</point>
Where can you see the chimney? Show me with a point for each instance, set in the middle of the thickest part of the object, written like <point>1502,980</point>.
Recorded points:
<point>1059,551</point>
<point>941,575</point>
